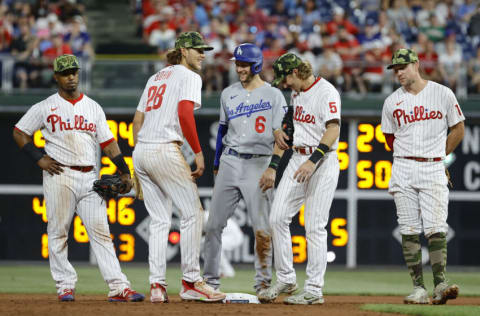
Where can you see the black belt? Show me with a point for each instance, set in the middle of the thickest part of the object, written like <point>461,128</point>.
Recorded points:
<point>235,153</point>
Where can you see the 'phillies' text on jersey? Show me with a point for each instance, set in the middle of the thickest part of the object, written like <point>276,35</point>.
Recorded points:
<point>419,113</point>
<point>80,123</point>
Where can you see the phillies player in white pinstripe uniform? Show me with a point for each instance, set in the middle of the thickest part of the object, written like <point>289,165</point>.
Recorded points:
<point>73,125</point>
<point>163,118</point>
<point>415,121</point>
<point>310,177</point>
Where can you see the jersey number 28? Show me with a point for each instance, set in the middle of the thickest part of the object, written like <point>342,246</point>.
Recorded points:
<point>155,97</point>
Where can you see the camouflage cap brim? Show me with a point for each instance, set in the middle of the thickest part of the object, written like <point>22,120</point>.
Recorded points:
<point>278,80</point>
<point>191,40</point>
<point>403,56</point>
<point>65,62</point>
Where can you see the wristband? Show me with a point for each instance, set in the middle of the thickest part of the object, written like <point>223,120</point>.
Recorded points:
<point>121,164</point>
<point>319,152</point>
<point>274,162</point>
<point>33,152</point>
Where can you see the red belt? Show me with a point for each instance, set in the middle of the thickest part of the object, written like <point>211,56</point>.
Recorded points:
<point>420,159</point>
<point>81,168</point>
<point>304,150</point>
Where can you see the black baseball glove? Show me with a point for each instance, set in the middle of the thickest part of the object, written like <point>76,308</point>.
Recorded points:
<point>287,125</point>
<point>109,186</point>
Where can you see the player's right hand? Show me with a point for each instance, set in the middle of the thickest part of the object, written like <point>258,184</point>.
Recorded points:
<point>200,163</point>
<point>281,139</point>
<point>268,179</point>
<point>50,165</point>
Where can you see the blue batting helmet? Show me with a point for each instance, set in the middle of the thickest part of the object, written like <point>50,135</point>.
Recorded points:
<point>251,54</point>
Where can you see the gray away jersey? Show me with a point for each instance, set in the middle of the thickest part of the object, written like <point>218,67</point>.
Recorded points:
<point>251,116</point>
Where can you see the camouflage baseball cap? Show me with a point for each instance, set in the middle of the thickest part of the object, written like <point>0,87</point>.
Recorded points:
<point>191,40</point>
<point>65,62</point>
<point>284,65</point>
<point>403,56</point>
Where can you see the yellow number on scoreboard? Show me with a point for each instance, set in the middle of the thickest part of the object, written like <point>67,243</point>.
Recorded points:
<point>299,249</point>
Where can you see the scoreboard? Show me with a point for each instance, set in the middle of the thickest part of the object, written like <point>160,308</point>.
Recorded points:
<point>362,228</point>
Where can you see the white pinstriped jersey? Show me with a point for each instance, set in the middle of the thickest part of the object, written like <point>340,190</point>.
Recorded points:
<point>159,103</point>
<point>71,130</point>
<point>312,108</point>
<point>420,122</point>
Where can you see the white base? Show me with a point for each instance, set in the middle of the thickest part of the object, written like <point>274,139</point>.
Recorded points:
<point>240,298</point>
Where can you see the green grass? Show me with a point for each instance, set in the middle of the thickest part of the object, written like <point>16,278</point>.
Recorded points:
<point>427,310</point>
<point>36,278</point>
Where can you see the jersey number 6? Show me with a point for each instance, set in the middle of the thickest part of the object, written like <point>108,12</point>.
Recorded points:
<point>155,97</point>
<point>259,126</point>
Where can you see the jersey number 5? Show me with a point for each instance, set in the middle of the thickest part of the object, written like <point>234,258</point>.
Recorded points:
<point>333,107</point>
<point>155,97</point>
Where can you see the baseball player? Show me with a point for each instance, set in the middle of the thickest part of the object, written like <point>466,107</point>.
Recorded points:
<point>415,121</point>
<point>310,177</point>
<point>163,118</point>
<point>72,125</point>
<point>250,111</point>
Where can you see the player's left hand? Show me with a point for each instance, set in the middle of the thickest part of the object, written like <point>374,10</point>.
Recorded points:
<point>268,179</point>
<point>200,163</point>
<point>127,181</point>
<point>305,171</point>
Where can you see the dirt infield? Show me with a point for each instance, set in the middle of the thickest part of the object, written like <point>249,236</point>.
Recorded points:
<point>34,304</point>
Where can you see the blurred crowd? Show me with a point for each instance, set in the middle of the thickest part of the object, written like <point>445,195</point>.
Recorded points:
<point>34,32</point>
<point>348,42</point>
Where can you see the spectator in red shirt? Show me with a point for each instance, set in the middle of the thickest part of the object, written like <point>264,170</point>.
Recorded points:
<point>58,48</point>
<point>349,49</point>
<point>429,62</point>
<point>340,20</point>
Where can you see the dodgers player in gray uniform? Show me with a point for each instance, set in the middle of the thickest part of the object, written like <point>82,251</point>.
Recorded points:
<point>251,110</point>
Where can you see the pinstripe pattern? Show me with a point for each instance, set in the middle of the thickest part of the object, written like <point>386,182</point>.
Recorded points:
<point>72,132</point>
<point>420,124</point>
<point>317,194</point>
<point>165,179</point>
<point>164,174</point>
<point>421,196</point>
<point>65,194</point>
<point>420,138</point>
<point>315,102</point>
<point>66,144</point>
<point>161,125</point>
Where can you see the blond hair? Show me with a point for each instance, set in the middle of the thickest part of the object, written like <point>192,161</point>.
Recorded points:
<point>304,70</point>
<point>174,56</point>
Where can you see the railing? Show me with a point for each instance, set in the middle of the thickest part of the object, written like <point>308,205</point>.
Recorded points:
<point>127,76</point>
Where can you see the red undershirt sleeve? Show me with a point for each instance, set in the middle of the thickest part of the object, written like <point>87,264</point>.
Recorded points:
<point>390,138</point>
<point>187,123</point>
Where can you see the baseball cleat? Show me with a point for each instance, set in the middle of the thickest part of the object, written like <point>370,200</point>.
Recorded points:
<point>304,298</point>
<point>127,295</point>
<point>270,294</point>
<point>418,296</point>
<point>68,295</point>
<point>200,291</point>
<point>444,292</point>
<point>158,293</point>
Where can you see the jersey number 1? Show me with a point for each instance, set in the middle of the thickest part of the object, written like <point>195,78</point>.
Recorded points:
<point>155,97</point>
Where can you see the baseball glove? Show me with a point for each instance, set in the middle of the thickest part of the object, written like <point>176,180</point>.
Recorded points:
<point>109,186</point>
<point>138,187</point>
<point>287,125</point>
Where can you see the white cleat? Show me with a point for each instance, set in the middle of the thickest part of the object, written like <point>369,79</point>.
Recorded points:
<point>200,291</point>
<point>269,295</point>
<point>418,296</point>
<point>444,292</point>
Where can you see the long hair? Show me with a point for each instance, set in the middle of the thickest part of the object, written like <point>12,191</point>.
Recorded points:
<point>304,70</point>
<point>174,56</point>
